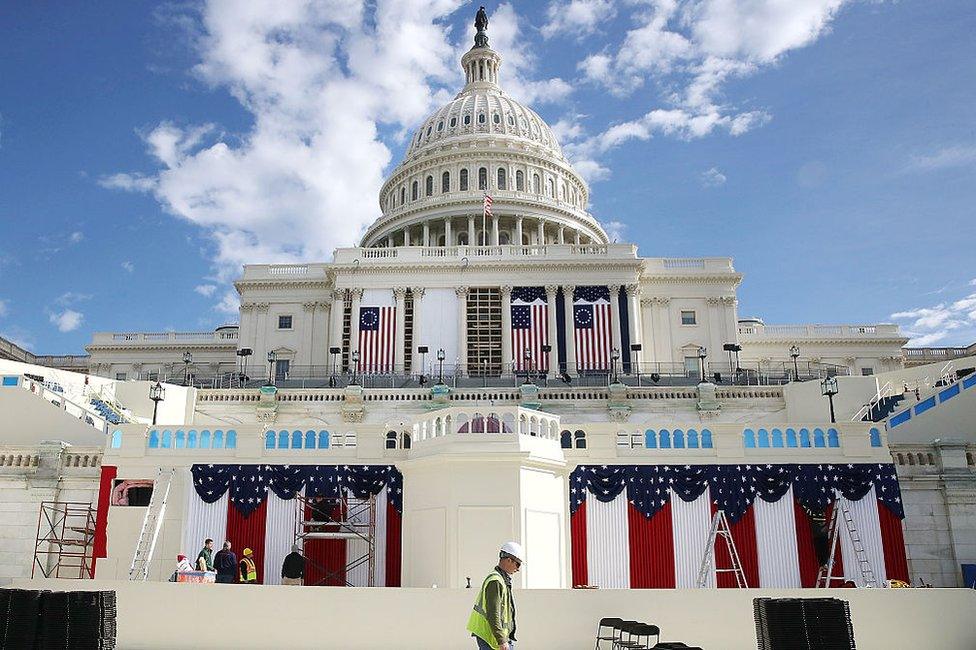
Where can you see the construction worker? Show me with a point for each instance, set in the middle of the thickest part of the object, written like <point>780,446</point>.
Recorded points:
<point>226,564</point>
<point>293,568</point>
<point>492,621</point>
<point>249,571</point>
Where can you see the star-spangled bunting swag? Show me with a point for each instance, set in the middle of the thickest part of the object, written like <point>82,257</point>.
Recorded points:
<point>735,487</point>
<point>249,484</point>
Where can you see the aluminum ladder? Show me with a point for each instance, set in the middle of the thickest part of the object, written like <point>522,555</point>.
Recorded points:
<point>825,575</point>
<point>720,528</point>
<point>151,523</point>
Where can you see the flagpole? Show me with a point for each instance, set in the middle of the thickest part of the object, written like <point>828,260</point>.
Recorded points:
<point>484,220</point>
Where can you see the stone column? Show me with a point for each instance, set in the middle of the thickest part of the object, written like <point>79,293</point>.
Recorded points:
<point>562,235</point>
<point>448,238</point>
<point>507,330</point>
<point>426,241</point>
<point>304,354</point>
<point>577,237</point>
<point>494,230</point>
<point>418,303</point>
<point>335,327</point>
<point>542,232</point>
<point>319,352</point>
<point>357,296</point>
<point>262,344</point>
<point>462,315</point>
<point>472,235</point>
<point>389,240</point>
<point>634,320</point>
<point>518,230</point>
<point>615,316</point>
<point>663,350</point>
<point>570,329</point>
<point>400,296</point>
<point>551,290</point>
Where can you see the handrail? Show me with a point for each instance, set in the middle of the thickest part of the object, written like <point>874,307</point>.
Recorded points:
<point>883,392</point>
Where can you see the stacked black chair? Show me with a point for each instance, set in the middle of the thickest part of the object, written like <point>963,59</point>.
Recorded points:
<point>607,630</point>
<point>803,624</point>
<point>53,629</point>
<point>92,619</point>
<point>633,635</point>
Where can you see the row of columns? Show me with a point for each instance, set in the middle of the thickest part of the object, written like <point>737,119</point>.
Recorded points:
<point>562,237</point>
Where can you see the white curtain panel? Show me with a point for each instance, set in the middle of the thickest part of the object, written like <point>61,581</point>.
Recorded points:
<point>202,521</point>
<point>378,298</point>
<point>865,515</point>
<point>379,554</point>
<point>607,542</point>
<point>776,545</point>
<point>439,326</point>
<point>690,522</point>
<point>279,535</point>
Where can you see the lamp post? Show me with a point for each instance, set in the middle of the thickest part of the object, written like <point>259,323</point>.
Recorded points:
<point>187,360</point>
<point>614,356</point>
<point>244,353</point>
<point>272,357</point>
<point>355,366</point>
<point>440,365</point>
<point>334,351</point>
<point>422,349</point>
<point>829,388</point>
<point>484,372</point>
<point>546,349</point>
<point>794,353</point>
<point>702,354</point>
<point>528,363</point>
<point>157,394</point>
<point>635,349</point>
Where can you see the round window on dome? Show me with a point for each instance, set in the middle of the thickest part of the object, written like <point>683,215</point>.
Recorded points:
<point>440,125</point>
<point>497,118</point>
<point>481,118</point>
<point>453,122</point>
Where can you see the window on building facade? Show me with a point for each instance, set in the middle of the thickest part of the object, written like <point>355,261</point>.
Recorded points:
<point>429,186</point>
<point>866,372</point>
<point>467,120</point>
<point>120,376</point>
<point>692,366</point>
<point>463,180</point>
<point>549,187</point>
<point>446,182</point>
<point>462,239</point>
<point>497,118</point>
<point>481,118</point>
<point>688,317</point>
<point>154,375</point>
<point>403,195</point>
<point>502,185</point>
<point>536,186</point>
<point>519,180</point>
<point>453,122</point>
<point>440,126</point>
<point>284,322</point>
<point>483,178</point>
<point>414,191</point>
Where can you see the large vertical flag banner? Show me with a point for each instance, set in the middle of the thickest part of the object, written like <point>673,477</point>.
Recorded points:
<point>591,324</point>
<point>377,335</point>
<point>530,329</point>
<point>647,526</point>
<point>255,506</point>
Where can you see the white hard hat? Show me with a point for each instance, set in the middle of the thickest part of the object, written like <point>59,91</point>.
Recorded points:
<point>515,550</point>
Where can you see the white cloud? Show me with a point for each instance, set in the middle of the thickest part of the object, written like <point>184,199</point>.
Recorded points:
<point>615,230</point>
<point>205,290</point>
<point>76,237</point>
<point>67,320</point>
<point>229,304</point>
<point>128,266</point>
<point>128,182</point>
<point>944,158</point>
<point>576,17</point>
<point>713,178</point>
<point>72,298</point>
<point>690,49</point>
<point>954,320</point>
<point>4,309</point>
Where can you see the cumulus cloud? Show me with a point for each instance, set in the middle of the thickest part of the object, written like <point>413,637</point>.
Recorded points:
<point>67,320</point>
<point>944,158</point>
<point>128,266</point>
<point>712,177</point>
<point>230,303</point>
<point>946,323</point>
<point>205,290</point>
<point>691,49</point>
<point>76,237</point>
<point>615,229</point>
<point>576,17</point>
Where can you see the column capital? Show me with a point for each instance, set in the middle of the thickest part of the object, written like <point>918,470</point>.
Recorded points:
<point>661,300</point>
<point>461,292</point>
<point>309,306</point>
<point>551,290</point>
<point>262,306</point>
<point>614,289</point>
<point>729,300</point>
<point>417,292</point>
<point>338,295</point>
<point>324,304</point>
<point>356,294</point>
<point>714,300</point>
<point>569,290</point>
<point>506,290</point>
<point>648,302</point>
<point>633,290</point>
<point>247,307</point>
<point>399,293</point>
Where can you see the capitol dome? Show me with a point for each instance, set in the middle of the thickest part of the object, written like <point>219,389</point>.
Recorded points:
<point>481,143</point>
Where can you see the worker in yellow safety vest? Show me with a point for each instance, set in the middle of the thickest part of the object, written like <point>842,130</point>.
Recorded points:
<point>492,621</point>
<point>249,571</point>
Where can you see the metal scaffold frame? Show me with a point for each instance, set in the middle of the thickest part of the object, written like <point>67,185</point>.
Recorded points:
<point>65,542</point>
<point>346,517</point>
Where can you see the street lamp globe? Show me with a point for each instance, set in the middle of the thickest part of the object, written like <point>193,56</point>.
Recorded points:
<point>187,358</point>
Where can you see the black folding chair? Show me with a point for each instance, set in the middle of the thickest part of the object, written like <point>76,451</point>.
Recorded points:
<point>635,632</point>
<point>613,626</point>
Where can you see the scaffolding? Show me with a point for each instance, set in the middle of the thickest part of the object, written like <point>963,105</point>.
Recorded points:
<point>65,542</point>
<point>345,517</point>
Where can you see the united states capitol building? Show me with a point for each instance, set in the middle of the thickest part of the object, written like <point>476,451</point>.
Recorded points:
<point>478,370</point>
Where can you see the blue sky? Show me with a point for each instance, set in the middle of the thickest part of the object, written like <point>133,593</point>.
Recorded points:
<point>147,150</point>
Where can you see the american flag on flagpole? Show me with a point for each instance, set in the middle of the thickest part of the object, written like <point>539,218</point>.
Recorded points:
<point>377,333</point>
<point>484,220</point>
<point>591,324</point>
<point>487,205</point>
<point>530,328</point>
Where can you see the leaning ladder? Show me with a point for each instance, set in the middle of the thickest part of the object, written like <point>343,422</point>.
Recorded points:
<point>720,528</point>
<point>825,576</point>
<point>151,523</point>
